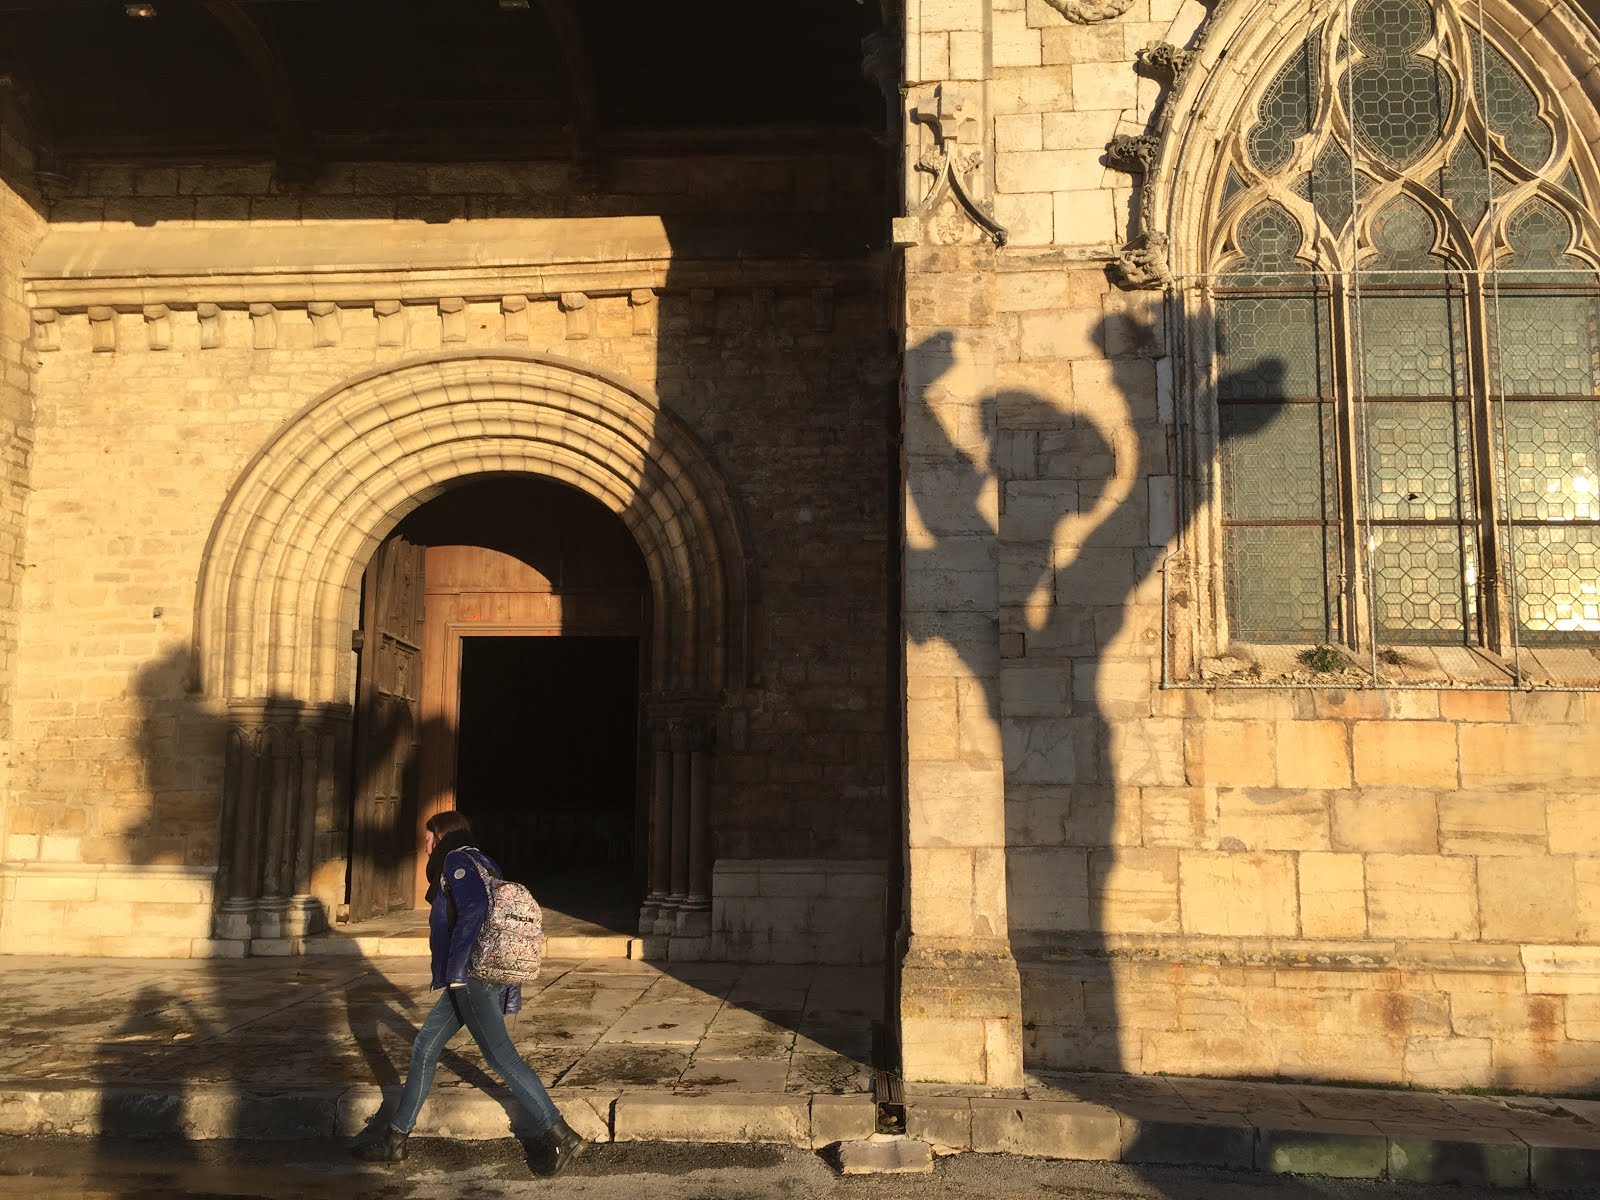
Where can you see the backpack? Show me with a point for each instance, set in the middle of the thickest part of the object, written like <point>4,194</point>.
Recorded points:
<point>510,945</point>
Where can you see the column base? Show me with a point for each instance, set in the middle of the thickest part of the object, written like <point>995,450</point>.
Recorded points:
<point>961,1014</point>
<point>271,919</point>
<point>304,917</point>
<point>235,921</point>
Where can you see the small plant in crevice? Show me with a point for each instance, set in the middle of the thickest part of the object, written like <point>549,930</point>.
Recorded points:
<point>1389,656</point>
<point>1324,660</point>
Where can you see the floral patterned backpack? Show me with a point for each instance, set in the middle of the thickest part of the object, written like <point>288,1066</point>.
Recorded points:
<point>510,946</point>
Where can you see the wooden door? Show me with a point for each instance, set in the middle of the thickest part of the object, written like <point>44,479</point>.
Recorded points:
<point>383,834</point>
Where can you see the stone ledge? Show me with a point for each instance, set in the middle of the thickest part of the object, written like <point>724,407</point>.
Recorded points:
<point>1288,955</point>
<point>779,1117</point>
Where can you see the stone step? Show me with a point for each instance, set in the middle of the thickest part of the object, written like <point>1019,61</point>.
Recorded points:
<point>567,947</point>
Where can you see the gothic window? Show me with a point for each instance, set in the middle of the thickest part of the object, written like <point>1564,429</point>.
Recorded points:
<point>1407,370</point>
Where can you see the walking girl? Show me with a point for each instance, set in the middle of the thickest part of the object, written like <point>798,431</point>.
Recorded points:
<point>459,903</point>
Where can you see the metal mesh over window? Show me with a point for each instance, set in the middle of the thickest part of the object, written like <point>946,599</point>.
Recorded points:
<point>1420,576</point>
<point>1558,598</point>
<point>1407,374</point>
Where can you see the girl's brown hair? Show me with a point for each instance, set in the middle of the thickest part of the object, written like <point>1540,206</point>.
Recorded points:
<point>449,821</point>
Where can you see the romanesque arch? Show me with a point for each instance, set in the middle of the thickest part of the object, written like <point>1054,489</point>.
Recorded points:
<point>278,595</point>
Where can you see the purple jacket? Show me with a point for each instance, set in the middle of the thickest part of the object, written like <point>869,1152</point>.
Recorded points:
<point>459,910</point>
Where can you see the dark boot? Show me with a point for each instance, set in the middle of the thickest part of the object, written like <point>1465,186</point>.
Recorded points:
<point>560,1144</point>
<point>388,1147</point>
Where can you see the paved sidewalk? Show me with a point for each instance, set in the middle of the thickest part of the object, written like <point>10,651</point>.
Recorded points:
<point>276,1049</point>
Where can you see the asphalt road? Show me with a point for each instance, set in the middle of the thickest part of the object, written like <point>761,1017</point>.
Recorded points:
<point>84,1169</point>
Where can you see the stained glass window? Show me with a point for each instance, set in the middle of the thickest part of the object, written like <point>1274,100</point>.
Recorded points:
<point>1408,345</point>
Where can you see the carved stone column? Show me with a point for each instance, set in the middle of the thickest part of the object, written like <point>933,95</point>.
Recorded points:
<point>679,878</point>
<point>281,759</point>
<point>658,848</point>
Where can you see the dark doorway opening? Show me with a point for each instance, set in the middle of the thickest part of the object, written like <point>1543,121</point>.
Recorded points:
<point>547,767</point>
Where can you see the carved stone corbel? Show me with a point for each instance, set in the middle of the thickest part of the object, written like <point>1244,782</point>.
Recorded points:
<point>514,311</point>
<point>325,326</point>
<point>1143,264</point>
<point>46,330</point>
<point>158,326</point>
<point>580,315</point>
<point>209,318</point>
<point>391,320</point>
<point>1163,61</point>
<point>955,198</point>
<point>1090,12</point>
<point>1133,153</point>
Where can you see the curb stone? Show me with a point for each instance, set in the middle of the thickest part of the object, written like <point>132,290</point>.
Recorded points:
<point>1518,1145</point>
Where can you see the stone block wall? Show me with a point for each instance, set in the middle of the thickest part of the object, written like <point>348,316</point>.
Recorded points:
<point>148,414</point>
<point>115,911</point>
<point>1353,884</point>
<point>797,911</point>
<point>20,230</point>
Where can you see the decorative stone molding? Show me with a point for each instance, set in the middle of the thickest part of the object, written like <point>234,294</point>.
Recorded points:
<point>1090,12</point>
<point>682,733</point>
<point>702,310</point>
<point>643,303</point>
<point>1133,153</point>
<point>46,330</point>
<point>955,209</point>
<point>282,763</point>
<point>514,310</point>
<point>452,320</point>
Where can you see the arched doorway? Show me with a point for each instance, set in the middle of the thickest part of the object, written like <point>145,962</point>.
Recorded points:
<point>531,651</point>
<point>279,609</point>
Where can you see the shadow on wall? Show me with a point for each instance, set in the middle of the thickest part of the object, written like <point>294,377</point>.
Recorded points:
<point>1080,634</point>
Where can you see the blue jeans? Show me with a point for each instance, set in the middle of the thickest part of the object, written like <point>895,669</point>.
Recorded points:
<point>477,1006</point>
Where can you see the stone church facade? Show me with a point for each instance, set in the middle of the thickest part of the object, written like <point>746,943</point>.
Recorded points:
<point>1123,551</point>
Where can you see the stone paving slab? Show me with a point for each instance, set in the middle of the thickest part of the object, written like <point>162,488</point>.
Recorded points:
<point>310,1047</point>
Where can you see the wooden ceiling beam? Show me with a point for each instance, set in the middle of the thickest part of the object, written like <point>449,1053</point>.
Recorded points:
<point>581,92</point>
<point>295,160</point>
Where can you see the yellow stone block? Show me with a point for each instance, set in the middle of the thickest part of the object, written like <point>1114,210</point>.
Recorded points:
<point>1333,897</point>
<point>1421,896</point>
<point>1137,890</point>
<point>1312,754</point>
<point>1400,821</point>
<point>1405,754</point>
<point>1524,902</point>
<point>1232,754</point>
<point>1272,819</point>
<point>1492,823</point>
<point>1238,894</point>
